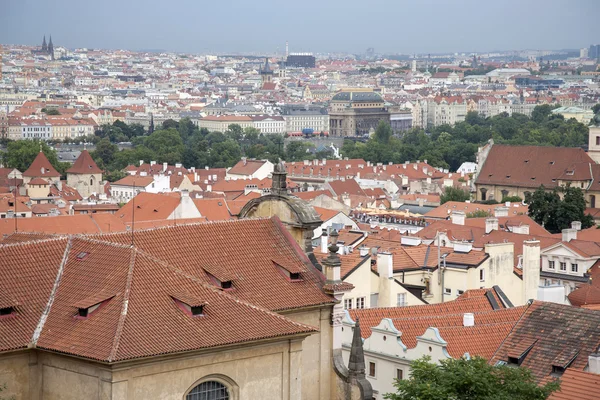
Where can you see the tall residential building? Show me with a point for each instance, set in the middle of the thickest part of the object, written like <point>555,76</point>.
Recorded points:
<point>355,112</point>
<point>301,60</point>
<point>446,110</point>
<point>300,117</point>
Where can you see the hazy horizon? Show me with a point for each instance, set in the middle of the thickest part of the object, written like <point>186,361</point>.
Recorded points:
<point>350,26</point>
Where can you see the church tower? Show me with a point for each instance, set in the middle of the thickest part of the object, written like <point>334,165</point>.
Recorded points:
<point>44,45</point>
<point>266,73</point>
<point>50,47</point>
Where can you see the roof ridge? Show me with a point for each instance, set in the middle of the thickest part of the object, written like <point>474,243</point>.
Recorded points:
<point>40,326</point>
<point>88,238</point>
<point>217,291</point>
<point>227,221</point>
<point>55,238</point>
<point>528,307</point>
<point>123,316</point>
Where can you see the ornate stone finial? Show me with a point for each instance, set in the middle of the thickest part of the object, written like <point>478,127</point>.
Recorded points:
<point>356,364</point>
<point>333,247</point>
<point>279,185</point>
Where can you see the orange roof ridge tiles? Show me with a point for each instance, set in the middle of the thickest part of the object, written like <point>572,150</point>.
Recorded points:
<point>84,165</point>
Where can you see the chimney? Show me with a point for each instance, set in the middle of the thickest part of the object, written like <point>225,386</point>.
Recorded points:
<point>185,193</point>
<point>244,160</point>
<point>363,251</point>
<point>531,269</point>
<point>576,225</point>
<point>141,162</point>
<point>468,319</point>
<point>458,217</point>
<point>410,240</point>
<point>463,247</point>
<point>178,165</point>
<point>501,212</point>
<point>521,229</point>
<point>152,163</point>
<point>165,165</point>
<point>594,362</point>
<point>507,204</point>
<point>324,242</point>
<point>421,202</point>
<point>491,224</point>
<point>569,234</point>
<point>385,269</point>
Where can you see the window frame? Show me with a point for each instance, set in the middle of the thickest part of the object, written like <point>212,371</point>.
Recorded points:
<point>482,275</point>
<point>372,373</point>
<point>574,267</point>
<point>551,265</point>
<point>232,387</point>
<point>561,265</point>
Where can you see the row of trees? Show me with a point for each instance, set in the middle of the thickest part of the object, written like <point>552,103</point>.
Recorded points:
<point>448,146</point>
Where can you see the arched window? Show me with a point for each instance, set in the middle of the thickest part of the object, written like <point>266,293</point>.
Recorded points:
<point>92,182</point>
<point>209,390</point>
<point>483,193</point>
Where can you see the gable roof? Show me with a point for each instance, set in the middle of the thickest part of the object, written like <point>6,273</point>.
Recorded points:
<point>528,166</point>
<point>577,385</point>
<point>84,165</point>
<point>348,186</point>
<point>41,167</point>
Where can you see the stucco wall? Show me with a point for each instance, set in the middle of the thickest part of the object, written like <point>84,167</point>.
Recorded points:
<point>262,371</point>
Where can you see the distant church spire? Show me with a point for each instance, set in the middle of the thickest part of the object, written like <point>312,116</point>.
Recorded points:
<point>44,45</point>
<point>51,48</point>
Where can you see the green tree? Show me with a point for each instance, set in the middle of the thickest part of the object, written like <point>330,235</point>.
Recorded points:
<point>167,145</point>
<point>596,108</point>
<point>21,153</point>
<point>454,194</point>
<point>479,214</point>
<point>298,151</point>
<point>547,209</point>
<point>170,124</point>
<point>50,111</point>
<point>512,199</point>
<point>383,133</point>
<point>105,152</point>
<point>469,379</point>
<point>541,112</point>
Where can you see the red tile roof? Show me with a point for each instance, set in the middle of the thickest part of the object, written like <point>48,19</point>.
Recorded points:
<point>528,166</point>
<point>134,181</point>
<point>584,295</point>
<point>560,334</point>
<point>84,165</point>
<point>41,167</point>
<point>348,186</point>
<point>246,247</point>
<point>67,224</point>
<point>138,316</point>
<point>247,167</point>
<point>445,210</point>
<point>577,385</point>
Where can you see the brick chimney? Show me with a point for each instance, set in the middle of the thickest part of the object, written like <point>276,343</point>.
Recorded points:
<point>576,225</point>
<point>501,212</point>
<point>385,269</point>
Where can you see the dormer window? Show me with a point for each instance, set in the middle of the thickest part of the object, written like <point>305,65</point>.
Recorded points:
<point>189,304</point>
<point>89,305</point>
<point>219,277</point>
<point>82,255</point>
<point>289,270</point>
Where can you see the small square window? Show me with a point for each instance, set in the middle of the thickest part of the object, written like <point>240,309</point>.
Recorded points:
<point>551,264</point>
<point>360,302</point>
<point>347,304</point>
<point>563,266</point>
<point>447,291</point>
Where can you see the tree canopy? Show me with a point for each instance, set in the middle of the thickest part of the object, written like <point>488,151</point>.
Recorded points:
<point>448,146</point>
<point>469,379</point>
<point>454,194</point>
<point>21,153</point>
<point>555,214</point>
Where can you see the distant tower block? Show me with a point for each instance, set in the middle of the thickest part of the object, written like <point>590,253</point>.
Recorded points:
<point>287,49</point>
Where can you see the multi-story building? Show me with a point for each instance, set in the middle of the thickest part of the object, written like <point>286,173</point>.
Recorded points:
<point>269,124</point>
<point>35,129</point>
<point>220,123</point>
<point>356,112</point>
<point>298,118</point>
<point>300,60</point>
<point>3,124</point>
<point>446,110</point>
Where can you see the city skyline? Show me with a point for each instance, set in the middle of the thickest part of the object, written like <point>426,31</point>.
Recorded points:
<point>331,27</point>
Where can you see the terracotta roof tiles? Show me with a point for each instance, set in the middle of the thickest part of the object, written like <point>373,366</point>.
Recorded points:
<point>41,167</point>
<point>84,165</point>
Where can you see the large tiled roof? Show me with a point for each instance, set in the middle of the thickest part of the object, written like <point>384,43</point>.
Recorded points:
<point>584,295</point>
<point>577,385</point>
<point>559,335</point>
<point>138,316</point>
<point>84,165</point>
<point>64,224</point>
<point>41,167</point>
<point>250,248</point>
<point>528,166</point>
<point>445,210</point>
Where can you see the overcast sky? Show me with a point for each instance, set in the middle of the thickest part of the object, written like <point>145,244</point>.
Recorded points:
<point>389,26</point>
